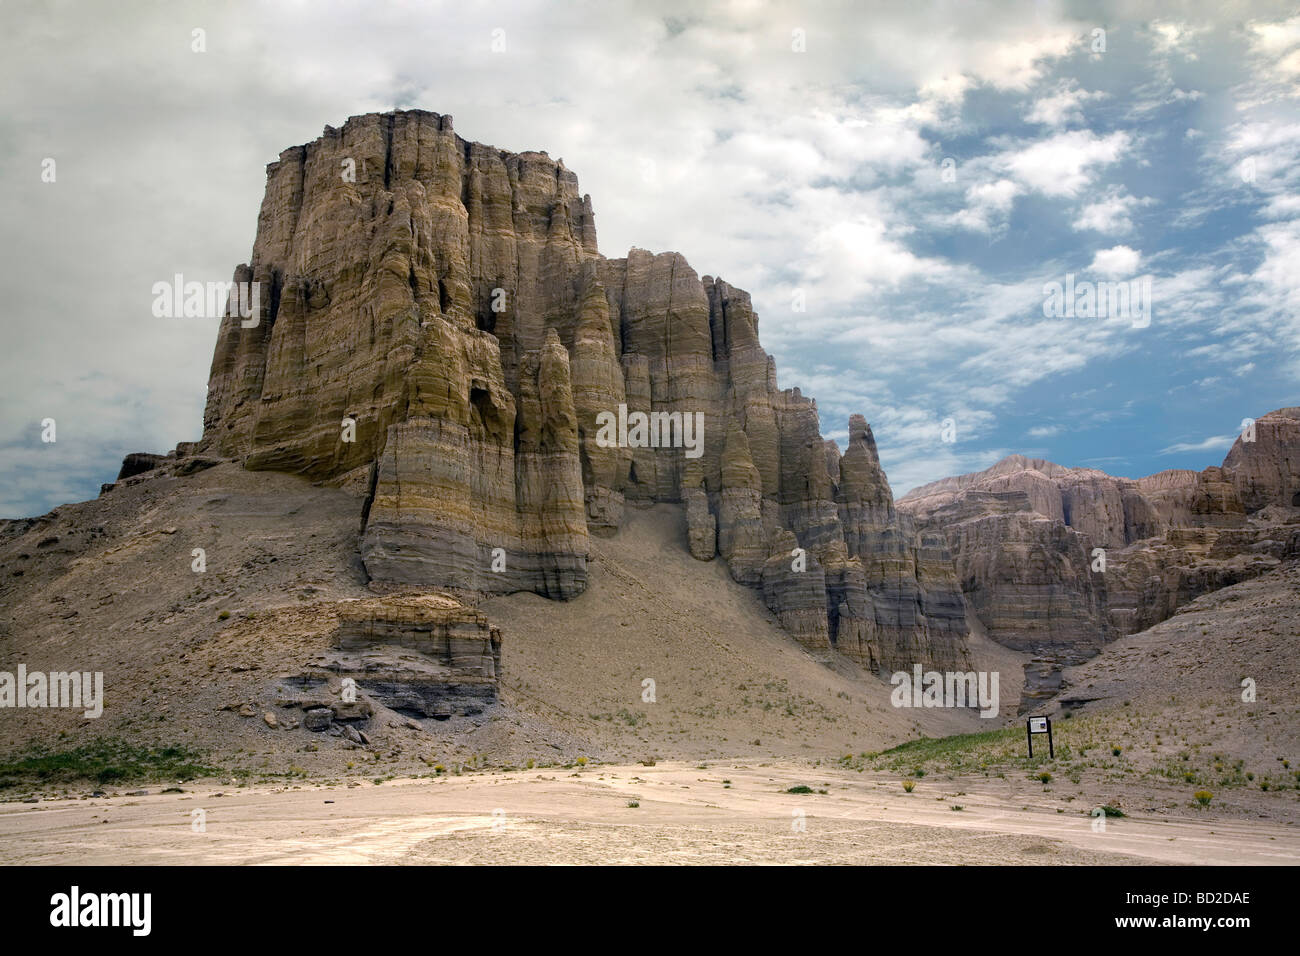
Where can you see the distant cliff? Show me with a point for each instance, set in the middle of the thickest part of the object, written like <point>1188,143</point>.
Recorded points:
<point>1024,535</point>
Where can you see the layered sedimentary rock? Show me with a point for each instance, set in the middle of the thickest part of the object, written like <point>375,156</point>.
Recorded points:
<point>914,608</point>
<point>794,587</point>
<point>1057,560</point>
<point>1026,576</point>
<point>1265,470</point>
<point>423,655</point>
<point>414,288</point>
<point>137,463</point>
<point>436,319</point>
<point>741,537</point>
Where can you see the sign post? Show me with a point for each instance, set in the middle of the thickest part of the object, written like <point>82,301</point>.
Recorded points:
<point>1040,725</point>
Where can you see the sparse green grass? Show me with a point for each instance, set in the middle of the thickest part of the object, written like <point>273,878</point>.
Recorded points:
<point>962,753</point>
<point>1109,746</point>
<point>110,760</point>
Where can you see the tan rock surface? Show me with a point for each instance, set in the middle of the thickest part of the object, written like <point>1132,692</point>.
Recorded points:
<point>1025,533</point>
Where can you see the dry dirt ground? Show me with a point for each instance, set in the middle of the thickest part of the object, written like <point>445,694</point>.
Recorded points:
<point>741,714</point>
<point>666,814</point>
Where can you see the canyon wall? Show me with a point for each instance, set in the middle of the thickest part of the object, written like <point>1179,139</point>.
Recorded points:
<point>1056,561</point>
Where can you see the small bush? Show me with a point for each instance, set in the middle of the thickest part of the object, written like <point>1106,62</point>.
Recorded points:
<point>634,804</point>
<point>909,786</point>
<point>800,789</point>
<point>1203,797</point>
<point>1045,777</point>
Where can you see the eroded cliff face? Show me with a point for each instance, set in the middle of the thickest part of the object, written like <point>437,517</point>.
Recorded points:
<point>1264,471</point>
<point>449,300</point>
<point>1025,535</point>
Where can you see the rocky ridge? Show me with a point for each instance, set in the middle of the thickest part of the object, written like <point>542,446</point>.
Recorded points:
<point>1057,561</point>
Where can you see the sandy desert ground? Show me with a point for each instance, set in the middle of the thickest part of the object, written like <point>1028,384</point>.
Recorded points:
<point>724,814</point>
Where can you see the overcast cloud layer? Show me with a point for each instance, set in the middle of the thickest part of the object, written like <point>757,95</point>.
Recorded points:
<point>916,175</point>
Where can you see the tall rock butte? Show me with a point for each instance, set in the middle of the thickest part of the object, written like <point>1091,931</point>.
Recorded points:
<point>450,300</point>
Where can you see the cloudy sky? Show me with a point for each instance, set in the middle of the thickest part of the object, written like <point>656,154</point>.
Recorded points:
<point>916,176</point>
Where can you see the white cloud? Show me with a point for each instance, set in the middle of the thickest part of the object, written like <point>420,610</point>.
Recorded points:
<point>1116,261</point>
<point>1213,443</point>
<point>987,205</point>
<point>1019,64</point>
<point>1112,214</point>
<point>1061,107</point>
<point>1275,58</point>
<point>1066,163</point>
<point>1169,37</point>
<point>1274,39</point>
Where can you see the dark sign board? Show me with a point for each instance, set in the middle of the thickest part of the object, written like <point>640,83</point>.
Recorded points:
<point>1040,725</point>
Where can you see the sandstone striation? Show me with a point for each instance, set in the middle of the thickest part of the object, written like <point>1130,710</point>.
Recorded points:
<point>422,655</point>
<point>1265,470</point>
<point>1056,561</point>
<point>437,322</point>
